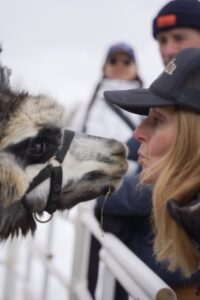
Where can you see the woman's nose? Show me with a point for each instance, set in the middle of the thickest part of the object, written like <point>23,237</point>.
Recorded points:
<point>140,133</point>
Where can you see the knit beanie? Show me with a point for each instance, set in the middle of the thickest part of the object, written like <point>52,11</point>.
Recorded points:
<point>177,13</point>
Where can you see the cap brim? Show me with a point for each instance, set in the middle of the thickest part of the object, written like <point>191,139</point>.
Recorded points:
<point>137,101</point>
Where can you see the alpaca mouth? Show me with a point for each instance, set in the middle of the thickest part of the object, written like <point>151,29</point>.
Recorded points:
<point>72,196</point>
<point>108,189</point>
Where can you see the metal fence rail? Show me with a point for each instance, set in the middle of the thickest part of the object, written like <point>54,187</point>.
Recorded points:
<point>140,282</point>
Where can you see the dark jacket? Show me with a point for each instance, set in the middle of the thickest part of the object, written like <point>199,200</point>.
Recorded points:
<point>133,146</point>
<point>127,214</point>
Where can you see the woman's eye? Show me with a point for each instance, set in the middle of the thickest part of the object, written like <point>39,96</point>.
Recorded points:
<point>155,121</point>
<point>37,148</point>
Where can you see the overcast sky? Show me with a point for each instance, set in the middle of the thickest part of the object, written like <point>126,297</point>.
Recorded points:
<point>57,47</point>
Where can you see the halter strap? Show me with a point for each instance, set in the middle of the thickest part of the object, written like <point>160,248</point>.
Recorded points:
<point>67,139</point>
<point>42,176</point>
<point>55,190</point>
<point>55,173</point>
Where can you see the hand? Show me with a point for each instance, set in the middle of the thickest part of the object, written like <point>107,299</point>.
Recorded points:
<point>187,216</point>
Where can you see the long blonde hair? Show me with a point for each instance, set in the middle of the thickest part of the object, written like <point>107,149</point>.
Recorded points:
<point>179,179</point>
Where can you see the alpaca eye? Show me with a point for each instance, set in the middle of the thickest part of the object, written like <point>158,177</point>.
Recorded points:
<point>38,148</point>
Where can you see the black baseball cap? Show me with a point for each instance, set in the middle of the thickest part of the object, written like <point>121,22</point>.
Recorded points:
<point>172,88</point>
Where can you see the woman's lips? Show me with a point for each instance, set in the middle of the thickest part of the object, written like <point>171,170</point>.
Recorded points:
<point>141,159</point>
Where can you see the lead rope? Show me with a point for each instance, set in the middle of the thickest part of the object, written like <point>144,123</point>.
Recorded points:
<point>102,209</point>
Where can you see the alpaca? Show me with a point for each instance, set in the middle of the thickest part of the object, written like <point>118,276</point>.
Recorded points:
<point>32,137</point>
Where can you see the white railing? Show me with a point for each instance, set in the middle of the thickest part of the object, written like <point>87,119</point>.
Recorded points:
<point>116,262</point>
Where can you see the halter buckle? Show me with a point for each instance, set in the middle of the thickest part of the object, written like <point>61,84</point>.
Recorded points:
<point>54,162</point>
<point>38,218</point>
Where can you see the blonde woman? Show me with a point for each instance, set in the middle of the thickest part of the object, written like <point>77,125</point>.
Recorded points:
<point>169,154</point>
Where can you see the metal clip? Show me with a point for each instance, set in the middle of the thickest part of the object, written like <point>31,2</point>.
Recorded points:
<point>40,220</point>
<point>54,162</point>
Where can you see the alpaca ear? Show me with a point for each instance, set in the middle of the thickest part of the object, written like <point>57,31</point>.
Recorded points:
<point>13,183</point>
<point>188,217</point>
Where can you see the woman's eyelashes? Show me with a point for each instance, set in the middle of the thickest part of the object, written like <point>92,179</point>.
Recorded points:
<point>155,120</point>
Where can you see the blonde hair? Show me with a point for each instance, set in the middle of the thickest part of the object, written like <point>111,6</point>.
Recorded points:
<point>179,179</point>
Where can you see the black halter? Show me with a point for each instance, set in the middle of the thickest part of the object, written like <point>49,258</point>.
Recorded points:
<point>55,173</point>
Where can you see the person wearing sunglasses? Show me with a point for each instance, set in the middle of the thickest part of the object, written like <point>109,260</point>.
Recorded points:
<point>98,117</point>
<point>169,155</point>
<point>121,64</point>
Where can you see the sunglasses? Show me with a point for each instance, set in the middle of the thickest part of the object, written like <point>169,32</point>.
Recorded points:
<point>114,61</point>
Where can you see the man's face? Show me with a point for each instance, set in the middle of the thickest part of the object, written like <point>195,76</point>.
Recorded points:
<point>174,40</point>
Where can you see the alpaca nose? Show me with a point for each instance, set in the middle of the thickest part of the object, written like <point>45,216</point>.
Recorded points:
<point>120,150</point>
<point>119,156</point>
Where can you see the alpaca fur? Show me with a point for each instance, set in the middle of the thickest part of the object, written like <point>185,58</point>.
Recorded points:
<point>23,118</point>
<point>31,132</point>
<point>14,178</point>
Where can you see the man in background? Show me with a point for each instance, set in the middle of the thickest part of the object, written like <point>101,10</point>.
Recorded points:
<point>176,27</point>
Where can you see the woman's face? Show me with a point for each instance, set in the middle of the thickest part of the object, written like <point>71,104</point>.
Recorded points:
<point>120,66</point>
<point>156,135</point>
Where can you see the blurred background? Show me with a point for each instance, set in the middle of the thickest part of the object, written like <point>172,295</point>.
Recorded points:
<point>57,47</point>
